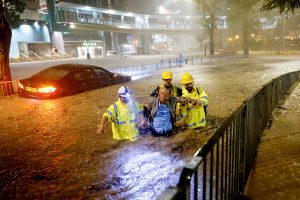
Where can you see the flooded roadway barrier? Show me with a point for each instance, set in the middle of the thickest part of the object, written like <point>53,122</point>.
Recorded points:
<point>144,70</point>
<point>220,169</point>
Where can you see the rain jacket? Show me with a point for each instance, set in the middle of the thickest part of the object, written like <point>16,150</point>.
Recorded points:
<point>195,115</point>
<point>124,118</point>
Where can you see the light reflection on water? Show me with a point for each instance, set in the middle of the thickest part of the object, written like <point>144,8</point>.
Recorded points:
<point>143,173</point>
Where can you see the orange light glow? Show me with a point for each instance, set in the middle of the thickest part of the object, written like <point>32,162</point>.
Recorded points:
<point>48,89</point>
<point>20,85</point>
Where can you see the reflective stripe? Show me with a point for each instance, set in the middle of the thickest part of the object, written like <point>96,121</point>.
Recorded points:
<point>109,113</point>
<point>205,97</point>
<point>193,124</point>
<point>184,115</point>
<point>120,123</point>
<point>202,120</point>
<point>174,91</point>
<point>132,121</point>
<point>191,108</point>
<point>116,110</point>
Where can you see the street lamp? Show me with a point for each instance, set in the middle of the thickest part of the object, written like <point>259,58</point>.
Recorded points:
<point>237,42</point>
<point>162,10</point>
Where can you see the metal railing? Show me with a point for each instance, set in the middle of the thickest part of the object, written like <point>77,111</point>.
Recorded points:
<point>165,63</point>
<point>220,169</point>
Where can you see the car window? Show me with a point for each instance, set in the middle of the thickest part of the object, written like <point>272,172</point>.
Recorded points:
<point>83,75</point>
<point>79,76</point>
<point>88,75</point>
<point>52,74</point>
<point>99,73</point>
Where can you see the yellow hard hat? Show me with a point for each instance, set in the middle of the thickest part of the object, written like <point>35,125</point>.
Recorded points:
<point>186,78</point>
<point>167,75</point>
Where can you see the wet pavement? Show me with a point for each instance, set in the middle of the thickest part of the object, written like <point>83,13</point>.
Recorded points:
<point>50,149</point>
<point>276,172</point>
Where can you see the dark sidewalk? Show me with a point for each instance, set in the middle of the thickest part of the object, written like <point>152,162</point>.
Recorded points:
<point>276,172</point>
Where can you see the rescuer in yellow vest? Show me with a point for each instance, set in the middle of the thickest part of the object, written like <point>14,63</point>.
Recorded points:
<point>194,112</point>
<point>167,77</point>
<point>124,116</point>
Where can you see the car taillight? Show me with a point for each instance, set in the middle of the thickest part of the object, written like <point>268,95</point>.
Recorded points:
<point>48,89</point>
<point>20,85</point>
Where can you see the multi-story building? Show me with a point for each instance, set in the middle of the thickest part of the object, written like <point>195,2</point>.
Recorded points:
<point>78,27</point>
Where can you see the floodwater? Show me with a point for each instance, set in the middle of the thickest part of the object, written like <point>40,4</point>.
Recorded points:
<point>50,149</point>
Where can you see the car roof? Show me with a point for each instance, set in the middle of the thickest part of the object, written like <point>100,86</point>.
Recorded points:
<point>75,67</point>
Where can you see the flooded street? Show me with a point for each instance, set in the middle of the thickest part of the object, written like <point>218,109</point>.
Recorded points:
<point>50,149</point>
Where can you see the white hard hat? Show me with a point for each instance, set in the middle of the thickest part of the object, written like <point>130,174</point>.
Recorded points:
<point>124,91</point>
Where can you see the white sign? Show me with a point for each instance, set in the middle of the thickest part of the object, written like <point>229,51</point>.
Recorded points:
<point>89,44</point>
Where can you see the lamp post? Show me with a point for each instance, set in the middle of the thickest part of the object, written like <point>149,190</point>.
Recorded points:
<point>237,42</point>
<point>204,16</point>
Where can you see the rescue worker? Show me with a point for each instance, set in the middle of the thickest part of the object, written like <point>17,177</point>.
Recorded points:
<point>161,112</point>
<point>193,113</point>
<point>124,116</point>
<point>167,77</point>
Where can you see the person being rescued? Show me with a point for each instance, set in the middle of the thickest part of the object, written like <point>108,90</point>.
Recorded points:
<point>193,113</point>
<point>123,115</point>
<point>161,112</point>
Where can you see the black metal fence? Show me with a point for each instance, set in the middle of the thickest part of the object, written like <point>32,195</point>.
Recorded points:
<point>220,169</point>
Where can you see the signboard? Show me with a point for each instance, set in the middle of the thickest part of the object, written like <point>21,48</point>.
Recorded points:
<point>89,44</point>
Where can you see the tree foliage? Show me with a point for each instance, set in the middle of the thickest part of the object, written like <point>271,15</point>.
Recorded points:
<point>209,7</point>
<point>282,5</point>
<point>12,10</point>
<point>244,23</point>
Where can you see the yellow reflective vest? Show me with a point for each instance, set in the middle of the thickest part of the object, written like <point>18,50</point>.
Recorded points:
<point>124,119</point>
<point>194,115</point>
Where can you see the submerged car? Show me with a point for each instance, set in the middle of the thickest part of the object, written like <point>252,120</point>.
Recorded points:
<point>67,79</point>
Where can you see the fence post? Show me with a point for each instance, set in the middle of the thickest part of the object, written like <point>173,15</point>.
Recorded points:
<point>169,63</point>
<point>243,149</point>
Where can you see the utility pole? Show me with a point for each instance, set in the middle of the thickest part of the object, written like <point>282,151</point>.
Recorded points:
<point>205,27</point>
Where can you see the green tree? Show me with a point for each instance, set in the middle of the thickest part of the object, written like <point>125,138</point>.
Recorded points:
<point>293,26</point>
<point>209,7</point>
<point>282,5</point>
<point>245,21</point>
<point>9,18</point>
